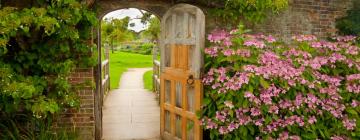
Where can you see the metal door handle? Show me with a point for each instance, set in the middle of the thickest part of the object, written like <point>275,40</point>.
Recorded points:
<point>190,80</point>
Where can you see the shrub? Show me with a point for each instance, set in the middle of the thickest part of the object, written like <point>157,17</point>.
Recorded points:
<point>350,24</point>
<point>259,88</point>
<point>22,127</point>
<point>146,48</point>
<point>39,48</point>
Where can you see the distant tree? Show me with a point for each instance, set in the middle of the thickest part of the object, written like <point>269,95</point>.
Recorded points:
<point>116,30</point>
<point>153,31</point>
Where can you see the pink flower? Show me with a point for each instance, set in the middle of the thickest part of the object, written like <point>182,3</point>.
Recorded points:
<point>295,138</point>
<point>232,126</point>
<point>211,125</point>
<point>255,43</point>
<point>353,77</point>
<point>228,52</point>
<point>229,104</point>
<point>312,120</point>
<point>355,103</point>
<point>345,38</point>
<point>301,38</point>
<point>218,35</point>
<point>273,109</point>
<point>284,136</point>
<point>298,100</point>
<point>211,51</point>
<point>255,112</point>
<point>248,94</point>
<point>270,39</point>
<point>349,124</point>
<point>259,122</point>
<point>243,53</point>
<point>227,42</point>
<point>216,85</point>
<point>316,44</point>
<point>223,130</point>
<point>221,116</point>
<point>338,138</point>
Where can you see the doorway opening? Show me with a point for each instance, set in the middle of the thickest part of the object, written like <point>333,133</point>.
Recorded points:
<point>180,42</point>
<point>130,110</point>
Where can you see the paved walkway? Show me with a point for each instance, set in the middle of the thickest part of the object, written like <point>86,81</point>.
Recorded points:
<point>131,112</point>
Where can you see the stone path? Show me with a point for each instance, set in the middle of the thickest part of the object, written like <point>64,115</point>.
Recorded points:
<point>131,112</point>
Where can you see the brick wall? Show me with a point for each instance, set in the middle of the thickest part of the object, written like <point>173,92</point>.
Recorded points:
<point>306,17</point>
<point>83,119</point>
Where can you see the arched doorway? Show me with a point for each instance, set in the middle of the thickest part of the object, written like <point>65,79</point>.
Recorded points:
<point>129,110</point>
<point>181,43</point>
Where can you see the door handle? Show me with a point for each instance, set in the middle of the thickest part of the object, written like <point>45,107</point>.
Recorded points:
<point>190,80</point>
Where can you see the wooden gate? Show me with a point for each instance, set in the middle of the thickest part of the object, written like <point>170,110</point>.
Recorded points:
<point>181,43</point>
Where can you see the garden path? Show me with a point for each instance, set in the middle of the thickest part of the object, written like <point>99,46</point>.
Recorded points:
<point>131,112</point>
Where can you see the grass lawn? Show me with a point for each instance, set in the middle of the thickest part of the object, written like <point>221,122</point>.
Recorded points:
<point>120,61</point>
<point>148,81</point>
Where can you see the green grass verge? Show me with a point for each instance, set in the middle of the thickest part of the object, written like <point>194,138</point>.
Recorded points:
<point>121,61</point>
<point>148,81</point>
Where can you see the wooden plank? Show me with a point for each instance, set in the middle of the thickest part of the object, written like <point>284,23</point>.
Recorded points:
<point>198,102</point>
<point>182,41</point>
<point>162,109</point>
<point>172,109</point>
<point>186,26</point>
<point>200,44</point>
<point>157,63</point>
<point>104,63</point>
<point>183,114</point>
<point>103,82</point>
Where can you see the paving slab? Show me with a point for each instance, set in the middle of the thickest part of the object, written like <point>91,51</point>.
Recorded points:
<point>131,112</point>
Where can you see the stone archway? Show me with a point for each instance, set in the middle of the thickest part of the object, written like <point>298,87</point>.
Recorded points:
<point>156,7</point>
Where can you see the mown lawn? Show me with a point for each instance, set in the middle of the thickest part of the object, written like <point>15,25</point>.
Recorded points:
<point>148,80</point>
<point>121,61</point>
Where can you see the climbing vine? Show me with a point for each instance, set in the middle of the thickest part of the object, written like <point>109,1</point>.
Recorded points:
<point>253,11</point>
<point>39,48</point>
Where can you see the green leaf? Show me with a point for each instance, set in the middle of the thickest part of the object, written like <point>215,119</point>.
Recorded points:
<point>351,111</point>
<point>264,83</point>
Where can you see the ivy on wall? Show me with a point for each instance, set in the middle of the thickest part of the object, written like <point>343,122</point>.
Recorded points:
<point>350,24</point>
<point>231,12</point>
<point>39,48</point>
<point>253,11</point>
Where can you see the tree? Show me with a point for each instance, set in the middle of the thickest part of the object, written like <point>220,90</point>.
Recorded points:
<point>116,30</point>
<point>153,31</point>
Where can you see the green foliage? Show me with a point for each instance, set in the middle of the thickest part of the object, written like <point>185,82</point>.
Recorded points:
<point>254,11</point>
<point>116,30</point>
<point>153,31</point>
<point>350,24</point>
<point>148,80</point>
<point>39,48</point>
<point>145,48</point>
<point>24,128</point>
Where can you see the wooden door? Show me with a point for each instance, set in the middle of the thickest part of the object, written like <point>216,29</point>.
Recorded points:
<point>181,44</point>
